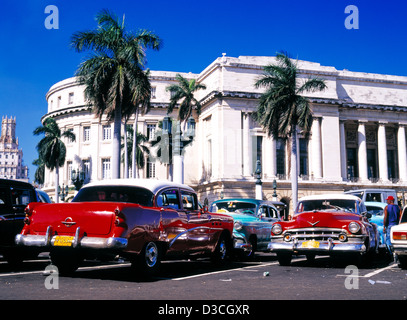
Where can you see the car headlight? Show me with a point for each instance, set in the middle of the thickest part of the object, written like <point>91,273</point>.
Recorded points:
<point>238,225</point>
<point>276,229</point>
<point>354,227</point>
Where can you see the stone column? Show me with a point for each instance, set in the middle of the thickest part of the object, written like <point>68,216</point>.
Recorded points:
<point>316,149</point>
<point>382,152</point>
<point>362,153</point>
<point>343,148</point>
<point>247,149</point>
<point>402,152</point>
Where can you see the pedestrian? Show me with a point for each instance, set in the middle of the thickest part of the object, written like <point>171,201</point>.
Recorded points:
<point>391,218</point>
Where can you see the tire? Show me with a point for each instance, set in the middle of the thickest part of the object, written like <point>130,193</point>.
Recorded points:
<point>67,261</point>
<point>149,260</point>
<point>284,259</point>
<point>402,261</point>
<point>221,253</point>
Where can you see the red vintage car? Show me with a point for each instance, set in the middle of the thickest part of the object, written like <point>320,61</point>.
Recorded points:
<point>142,220</point>
<point>331,224</point>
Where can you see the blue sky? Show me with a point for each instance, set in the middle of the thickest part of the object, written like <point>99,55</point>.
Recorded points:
<point>195,33</point>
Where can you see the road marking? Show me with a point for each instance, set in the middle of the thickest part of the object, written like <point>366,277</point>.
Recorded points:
<point>370,274</point>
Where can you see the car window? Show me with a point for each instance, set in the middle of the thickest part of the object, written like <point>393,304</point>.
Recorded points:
<point>169,198</point>
<point>128,194</point>
<point>234,206</point>
<point>373,196</point>
<point>273,212</point>
<point>189,200</point>
<point>4,192</point>
<point>20,197</point>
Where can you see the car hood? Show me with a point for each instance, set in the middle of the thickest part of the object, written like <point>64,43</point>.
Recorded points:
<point>323,219</point>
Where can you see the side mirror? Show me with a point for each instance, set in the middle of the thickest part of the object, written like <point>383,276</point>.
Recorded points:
<point>367,214</point>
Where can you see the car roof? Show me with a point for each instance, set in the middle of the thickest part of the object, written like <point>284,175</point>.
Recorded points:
<point>330,196</point>
<point>151,184</point>
<point>8,182</point>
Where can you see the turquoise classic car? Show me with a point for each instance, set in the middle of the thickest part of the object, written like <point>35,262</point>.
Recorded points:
<point>252,223</point>
<point>376,209</point>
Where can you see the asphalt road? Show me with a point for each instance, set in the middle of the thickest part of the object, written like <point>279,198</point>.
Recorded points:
<point>262,279</point>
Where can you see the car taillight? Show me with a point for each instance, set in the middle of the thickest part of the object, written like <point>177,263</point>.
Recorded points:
<point>28,213</point>
<point>119,220</point>
<point>399,235</point>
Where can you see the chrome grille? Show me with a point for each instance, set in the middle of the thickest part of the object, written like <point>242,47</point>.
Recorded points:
<point>321,234</point>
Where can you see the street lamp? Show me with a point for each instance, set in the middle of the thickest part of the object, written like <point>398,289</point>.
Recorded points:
<point>63,192</point>
<point>275,190</point>
<point>77,177</point>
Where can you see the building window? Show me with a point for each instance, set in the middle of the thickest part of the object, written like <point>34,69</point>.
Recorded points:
<point>150,169</point>
<point>86,170</point>
<point>352,163</point>
<point>70,98</point>
<point>153,92</point>
<point>69,171</point>
<point>59,101</point>
<point>303,157</point>
<point>151,131</point>
<point>106,169</point>
<point>86,134</point>
<point>107,132</point>
<point>372,164</point>
<point>280,157</point>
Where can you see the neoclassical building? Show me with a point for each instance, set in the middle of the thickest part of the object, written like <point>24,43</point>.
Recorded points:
<point>11,156</point>
<point>358,137</point>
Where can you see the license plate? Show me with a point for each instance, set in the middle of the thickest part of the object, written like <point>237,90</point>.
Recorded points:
<point>310,244</point>
<point>63,241</point>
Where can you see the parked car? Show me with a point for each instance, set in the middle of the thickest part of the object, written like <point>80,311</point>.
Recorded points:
<point>373,195</point>
<point>398,239</point>
<point>143,220</point>
<point>376,209</point>
<point>330,224</point>
<point>43,196</point>
<point>14,197</point>
<point>252,222</point>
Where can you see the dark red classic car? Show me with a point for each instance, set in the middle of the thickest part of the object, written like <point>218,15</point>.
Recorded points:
<point>142,220</point>
<point>332,224</point>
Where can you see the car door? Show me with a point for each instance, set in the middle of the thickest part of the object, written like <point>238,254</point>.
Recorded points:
<point>20,198</point>
<point>198,223</point>
<point>6,217</point>
<point>174,220</point>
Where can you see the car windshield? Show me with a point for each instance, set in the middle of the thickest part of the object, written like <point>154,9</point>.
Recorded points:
<point>234,206</point>
<point>128,194</point>
<point>325,205</point>
<point>374,210</point>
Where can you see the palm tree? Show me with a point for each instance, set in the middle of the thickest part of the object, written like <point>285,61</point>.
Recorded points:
<point>113,76</point>
<point>282,110</point>
<point>184,90</point>
<point>141,150</point>
<point>51,148</point>
<point>39,173</point>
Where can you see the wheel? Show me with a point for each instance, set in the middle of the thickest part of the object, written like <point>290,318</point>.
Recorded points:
<point>402,261</point>
<point>221,252</point>
<point>66,261</point>
<point>284,259</point>
<point>149,260</point>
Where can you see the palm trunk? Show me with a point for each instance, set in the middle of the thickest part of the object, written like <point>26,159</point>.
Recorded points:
<point>56,183</point>
<point>294,167</point>
<point>134,151</point>
<point>126,159</point>
<point>115,168</point>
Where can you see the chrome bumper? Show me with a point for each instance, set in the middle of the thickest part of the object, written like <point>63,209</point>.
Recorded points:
<point>399,249</point>
<point>323,247</point>
<point>240,243</point>
<point>85,242</point>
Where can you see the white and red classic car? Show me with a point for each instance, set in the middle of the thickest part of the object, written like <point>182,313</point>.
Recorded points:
<point>331,224</point>
<point>142,220</point>
<point>398,238</point>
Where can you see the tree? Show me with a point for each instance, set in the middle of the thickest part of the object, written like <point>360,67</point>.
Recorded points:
<point>184,90</point>
<point>282,109</point>
<point>113,76</point>
<point>141,150</point>
<point>51,149</point>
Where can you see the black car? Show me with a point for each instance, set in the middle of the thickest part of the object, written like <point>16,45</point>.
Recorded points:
<point>14,197</point>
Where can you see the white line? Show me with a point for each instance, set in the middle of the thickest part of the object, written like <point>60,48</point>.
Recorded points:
<point>371,274</point>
